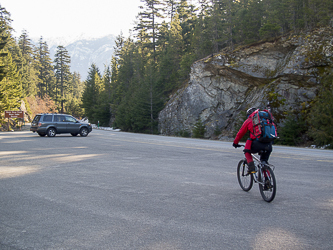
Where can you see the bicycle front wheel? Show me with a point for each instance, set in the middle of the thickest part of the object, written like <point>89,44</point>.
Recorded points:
<point>268,189</point>
<point>245,180</point>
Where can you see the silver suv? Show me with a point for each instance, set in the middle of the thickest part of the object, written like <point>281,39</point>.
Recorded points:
<point>52,124</point>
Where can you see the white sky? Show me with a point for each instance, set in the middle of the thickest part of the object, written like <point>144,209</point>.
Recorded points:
<point>72,18</point>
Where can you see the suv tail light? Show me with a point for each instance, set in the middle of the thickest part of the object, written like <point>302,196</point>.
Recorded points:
<point>39,124</point>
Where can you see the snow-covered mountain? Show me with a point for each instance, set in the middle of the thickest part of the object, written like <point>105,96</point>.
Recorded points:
<point>84,52</point>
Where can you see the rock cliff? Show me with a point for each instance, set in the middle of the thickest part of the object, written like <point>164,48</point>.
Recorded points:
<point>285,71</point>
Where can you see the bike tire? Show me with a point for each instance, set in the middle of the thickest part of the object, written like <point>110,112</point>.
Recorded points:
<point>245,180</point>
<point>268,193</point>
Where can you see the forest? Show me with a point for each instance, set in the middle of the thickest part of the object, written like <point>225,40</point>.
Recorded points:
<point>154,61</point>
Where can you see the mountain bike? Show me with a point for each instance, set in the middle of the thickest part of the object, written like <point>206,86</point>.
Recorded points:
<point>264,176</point>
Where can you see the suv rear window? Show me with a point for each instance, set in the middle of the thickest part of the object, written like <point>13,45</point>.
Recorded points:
<point>47,118</point>
<point>37,118</point>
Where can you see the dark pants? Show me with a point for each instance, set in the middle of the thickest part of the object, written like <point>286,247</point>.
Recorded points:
<point>266,147</point>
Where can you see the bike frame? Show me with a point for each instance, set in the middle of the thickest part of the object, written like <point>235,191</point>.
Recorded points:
<point>257,176</point>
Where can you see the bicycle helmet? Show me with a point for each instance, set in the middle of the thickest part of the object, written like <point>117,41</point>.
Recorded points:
<point>250,111</point>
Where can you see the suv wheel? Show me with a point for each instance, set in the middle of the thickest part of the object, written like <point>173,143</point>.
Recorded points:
<point>51,132</point>
<point>84,132</point>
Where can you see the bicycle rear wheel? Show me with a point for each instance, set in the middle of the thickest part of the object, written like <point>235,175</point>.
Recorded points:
<point>245,180</point>
<point>268,189</point>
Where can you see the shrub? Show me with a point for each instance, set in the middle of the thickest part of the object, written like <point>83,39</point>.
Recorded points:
<point>321,114</point>
<point>199,130</point>
<point>293,130</point>
<point>183,133</point>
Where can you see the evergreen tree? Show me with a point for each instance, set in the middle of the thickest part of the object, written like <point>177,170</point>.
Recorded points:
<point>215,24</point>
<point>91,92</point>
<point>27,65</point>
<point>170,57</point>
<point>46,75</point>
<point>102,109</point>
<point>76,86</point>
<point>293,130</point>
<point>188,20</point>
<point>4,36</point>
<point>148,22</point>
<point>10,81</point>
<point>201,41</point>
<point>10,86</point>
<point>120,40</point>
<point>74,95</point>
<point>107,79</point>
<point>62,72</point>
<point>116,89</point>
<point>189,23</point>
<point>248,21</point>
<point>3,42</point>
<point>229,23</point>
<point>129,72</point>
<point>171,8</point>
<point>321,114</point>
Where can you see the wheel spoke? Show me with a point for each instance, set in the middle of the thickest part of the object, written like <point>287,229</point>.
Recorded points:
<point>268,188</point>
<point>245,180</point>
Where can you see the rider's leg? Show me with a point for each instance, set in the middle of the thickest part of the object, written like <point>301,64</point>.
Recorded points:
<point>249,158</point>
<point>264,147</point>
<point>252,167</point>
<point>267,152</point>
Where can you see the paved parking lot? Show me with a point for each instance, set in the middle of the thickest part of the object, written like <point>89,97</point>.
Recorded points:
<point>115,190</point>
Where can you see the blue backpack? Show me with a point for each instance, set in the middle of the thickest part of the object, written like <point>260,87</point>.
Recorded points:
<point>264,128</point>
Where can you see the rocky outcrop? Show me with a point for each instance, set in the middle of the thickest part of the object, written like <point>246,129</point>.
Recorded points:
<point>285,71</point>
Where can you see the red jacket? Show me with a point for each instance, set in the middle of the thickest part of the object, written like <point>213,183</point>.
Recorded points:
<point>247,126</point>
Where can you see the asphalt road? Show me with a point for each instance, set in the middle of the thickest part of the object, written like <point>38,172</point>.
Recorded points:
<point>115,190</point>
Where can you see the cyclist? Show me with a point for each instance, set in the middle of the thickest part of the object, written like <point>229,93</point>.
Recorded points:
<point>252,145</point>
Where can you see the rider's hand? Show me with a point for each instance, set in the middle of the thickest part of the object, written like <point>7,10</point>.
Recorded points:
<point>236,145</point>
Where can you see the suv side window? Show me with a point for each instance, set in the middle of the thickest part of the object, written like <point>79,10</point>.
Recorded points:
<point>59,118</point>
<point>47,118</point>
<point>70,119</point>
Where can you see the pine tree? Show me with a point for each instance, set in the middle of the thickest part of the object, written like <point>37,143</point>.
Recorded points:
<point>10,81</point>
<point>148,22</point>
<point>321,114</point>
<point>192,47</point>
<point>170,57</point>
<point>229,23</point>
<point>46,75</point>
<point>120,40</point>
<point>248,20</point>
<point>126,77</point>
<point>171,8</point>
<point>215,24</point>
<point>3,42</point>
<point>188,20</point>
<point>62,72</point>
<point>107,80</point>
<point>10,86</point>
<point>74,95</point>
<point>4,36</point>
<point>102,110</point>
<point>91,92</point>
<point>27,65</point>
